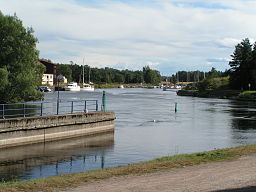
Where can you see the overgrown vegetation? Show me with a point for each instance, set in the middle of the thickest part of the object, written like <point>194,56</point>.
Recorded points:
<point>20,71</point>
<point>213,83</point>
<point>160,164</point>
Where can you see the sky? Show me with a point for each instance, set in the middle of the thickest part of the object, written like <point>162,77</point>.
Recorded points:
<point>167,35</point>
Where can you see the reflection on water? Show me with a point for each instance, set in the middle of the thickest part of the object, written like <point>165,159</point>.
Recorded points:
<point>54,158</point>
<point>244,114</point>
<point>147,127</point>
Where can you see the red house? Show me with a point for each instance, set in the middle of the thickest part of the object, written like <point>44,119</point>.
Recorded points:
<point>49,76</point>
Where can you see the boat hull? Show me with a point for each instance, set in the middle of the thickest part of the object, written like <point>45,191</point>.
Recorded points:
<point>72,89</point>
<point>86,89</point>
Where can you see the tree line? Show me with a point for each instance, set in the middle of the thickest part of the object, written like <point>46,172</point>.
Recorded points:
<point>73,72</point>
<point>194,76</point>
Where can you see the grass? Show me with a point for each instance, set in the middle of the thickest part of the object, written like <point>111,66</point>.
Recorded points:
<point>247,95</point>
<point>160,164</point>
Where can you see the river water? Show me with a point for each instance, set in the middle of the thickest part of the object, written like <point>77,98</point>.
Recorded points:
<point>147,127</point>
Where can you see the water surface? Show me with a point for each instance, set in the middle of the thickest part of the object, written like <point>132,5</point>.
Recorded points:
<point>147,127</point>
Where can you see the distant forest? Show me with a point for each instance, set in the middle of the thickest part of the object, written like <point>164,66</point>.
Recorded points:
<point>73,72</point>
<point>194,76</point>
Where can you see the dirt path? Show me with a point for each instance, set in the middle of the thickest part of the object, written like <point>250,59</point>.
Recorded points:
<point>238,175</point>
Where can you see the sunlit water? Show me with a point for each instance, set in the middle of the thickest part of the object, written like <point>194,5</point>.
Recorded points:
<point>147,127</point>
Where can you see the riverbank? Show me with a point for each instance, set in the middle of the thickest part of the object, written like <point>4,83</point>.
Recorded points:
<point>119,85</point>
<point>163,164</point>
<point>220,94</point>
<point>217,93</point>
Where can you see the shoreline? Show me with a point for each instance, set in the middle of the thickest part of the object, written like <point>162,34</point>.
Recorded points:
<point>162,164</point>
<point>218,94</point>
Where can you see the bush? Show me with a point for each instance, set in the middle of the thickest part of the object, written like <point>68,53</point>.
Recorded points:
<point>213,83</point>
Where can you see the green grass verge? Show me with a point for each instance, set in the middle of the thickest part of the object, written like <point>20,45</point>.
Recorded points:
<point>247,95</point>
<point>161,164</point>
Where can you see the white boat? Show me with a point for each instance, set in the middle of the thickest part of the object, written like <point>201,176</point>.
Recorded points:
<point>166,88</point>
<point>87,87</point>
<point>72,86</point>
<point>121,86</point>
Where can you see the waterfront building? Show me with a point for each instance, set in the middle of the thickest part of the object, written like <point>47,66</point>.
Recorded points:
<point>49,76</point>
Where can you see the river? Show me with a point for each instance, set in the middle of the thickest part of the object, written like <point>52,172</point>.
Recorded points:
<point>147,127</point>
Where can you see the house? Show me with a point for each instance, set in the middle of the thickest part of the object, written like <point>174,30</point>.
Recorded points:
<point>49,76</point>
<point>48,79</point>
<point>62,79</point>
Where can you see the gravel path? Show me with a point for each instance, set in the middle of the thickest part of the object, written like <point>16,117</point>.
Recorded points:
<point>234,176</point>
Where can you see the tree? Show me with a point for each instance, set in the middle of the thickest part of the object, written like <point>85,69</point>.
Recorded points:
<point>151,76</point>
<point>213,73</point>
<point>252,72</point>
<point>65,70</point>
<point>19,67</point>
<point>240,65</point>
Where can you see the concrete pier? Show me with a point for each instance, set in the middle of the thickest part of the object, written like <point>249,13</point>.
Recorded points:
<point>28,130</point>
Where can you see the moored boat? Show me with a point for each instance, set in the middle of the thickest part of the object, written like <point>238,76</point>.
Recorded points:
<point>87,87</point>
<point>72,86</point>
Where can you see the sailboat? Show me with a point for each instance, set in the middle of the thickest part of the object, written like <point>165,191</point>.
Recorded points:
<point>86,86</point>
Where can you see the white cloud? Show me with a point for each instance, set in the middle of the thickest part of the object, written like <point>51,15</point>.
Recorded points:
<point>228,42</point>
<point>128,35</point>
<point>209,63</point>
<point>152,64</point>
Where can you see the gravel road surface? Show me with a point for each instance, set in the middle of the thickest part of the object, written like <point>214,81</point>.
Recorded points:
<point>234,176</point>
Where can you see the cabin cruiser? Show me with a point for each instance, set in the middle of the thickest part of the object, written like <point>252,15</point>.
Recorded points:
<point>87,87</point>
<point>72,86</point>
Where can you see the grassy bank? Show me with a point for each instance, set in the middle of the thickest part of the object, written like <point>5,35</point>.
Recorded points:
<point>217,93</point>
<point>161,164</point>
<point>247,95</point>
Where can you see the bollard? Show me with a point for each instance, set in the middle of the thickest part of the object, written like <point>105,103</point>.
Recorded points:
<point>103,105</point>
<point>3,112</point>
<point>72,106</point>
<point>41,109</point>
<point>85,107</point>
<point>97,105</point>
<point>24,110</point>
<point>176,107</point>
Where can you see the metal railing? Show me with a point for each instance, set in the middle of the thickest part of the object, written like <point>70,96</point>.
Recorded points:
<point>46,108</point>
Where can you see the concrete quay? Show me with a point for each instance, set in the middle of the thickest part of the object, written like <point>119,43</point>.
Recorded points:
<point>28,130</point>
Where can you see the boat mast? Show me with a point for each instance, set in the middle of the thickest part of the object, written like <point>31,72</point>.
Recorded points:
<point>83,71</point>
<point>89,74</point>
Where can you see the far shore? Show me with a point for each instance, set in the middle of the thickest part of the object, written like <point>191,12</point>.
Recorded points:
<point>66,181</point>
<point>219,93</point>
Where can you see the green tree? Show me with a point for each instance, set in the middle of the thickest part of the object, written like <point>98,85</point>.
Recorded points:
<point>213,73</point>
<point>252,72</point>
<point>151,76</point>
<point>119,78</point>
<point>138,77</point>
<point>65,70</point>
<point>240,65</point>
<point>77,71</point>
<point>19,67</point>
